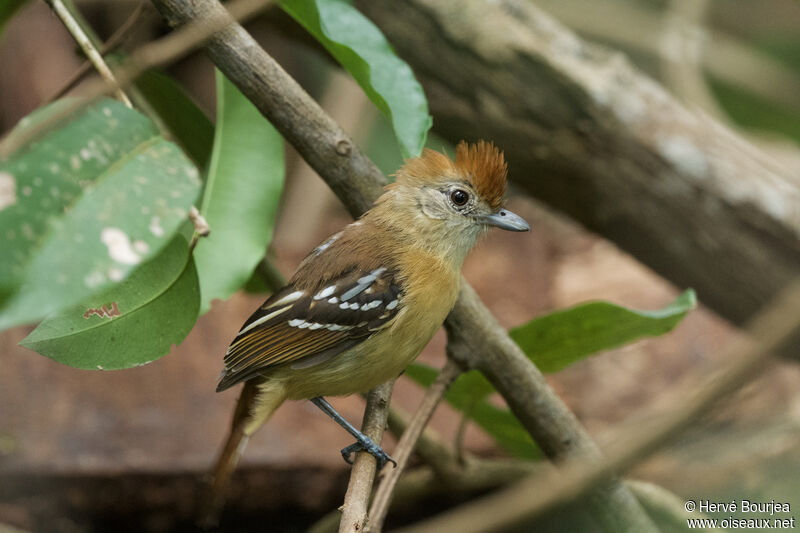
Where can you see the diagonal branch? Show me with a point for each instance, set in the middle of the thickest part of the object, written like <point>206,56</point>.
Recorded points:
<point>745,359</point>
<point>412,433</point>
<point>357,182</point>
<point>75,29</point>
<point>115,40</point>
<point>354,511</point>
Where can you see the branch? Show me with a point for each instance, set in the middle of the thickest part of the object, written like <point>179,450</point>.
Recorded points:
<point>357,182</point>
<point>592,137</point>
<point>115,40</point>
<point>154,54</point>
<point>412,433</point>
<point>88,48</point>
<point>654,428</point>
<point>354,510</point>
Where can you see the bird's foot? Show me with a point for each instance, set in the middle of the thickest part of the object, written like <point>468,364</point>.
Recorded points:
<point>366,444</point>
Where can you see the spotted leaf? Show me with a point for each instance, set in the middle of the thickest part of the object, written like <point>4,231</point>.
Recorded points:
<point>83,205</point>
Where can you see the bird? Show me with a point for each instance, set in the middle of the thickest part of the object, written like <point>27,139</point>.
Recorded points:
<point>363,304</point>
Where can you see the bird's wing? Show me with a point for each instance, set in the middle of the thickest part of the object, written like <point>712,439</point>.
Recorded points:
<point>306,327</point>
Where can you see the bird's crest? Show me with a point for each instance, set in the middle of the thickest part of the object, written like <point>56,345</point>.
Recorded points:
<point>482,164</point>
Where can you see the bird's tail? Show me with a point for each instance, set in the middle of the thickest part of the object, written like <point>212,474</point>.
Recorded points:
<point>253,408</point>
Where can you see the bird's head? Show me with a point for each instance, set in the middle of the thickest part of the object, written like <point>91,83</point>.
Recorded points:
<point>450,203</point>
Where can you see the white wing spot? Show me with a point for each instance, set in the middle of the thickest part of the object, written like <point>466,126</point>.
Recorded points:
<point>324,293</point>
<point>316,325</point>
<point>344,305</point>
<point>265,318</point>
<point>354,306</point>
<point>295,322</point>
<point>391,305</point>
<point>291,297</point>
<point>119,246</point>
<point>8,190</point>
<point>333,300</point>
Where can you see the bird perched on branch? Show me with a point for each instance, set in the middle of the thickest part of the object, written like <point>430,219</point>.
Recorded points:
<point>364,303</point>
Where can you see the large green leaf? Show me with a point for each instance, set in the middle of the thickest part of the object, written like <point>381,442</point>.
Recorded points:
<point>187,124</point>
<point>240,201</point>
<point>85,204</point>
<point>130,323</point>
<point>360,47</point>
<point>558,339</point>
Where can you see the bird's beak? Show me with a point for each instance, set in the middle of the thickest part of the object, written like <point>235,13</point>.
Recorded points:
<point>505,219</point>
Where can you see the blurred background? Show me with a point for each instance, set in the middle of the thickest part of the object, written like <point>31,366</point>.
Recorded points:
<point>125,450</point>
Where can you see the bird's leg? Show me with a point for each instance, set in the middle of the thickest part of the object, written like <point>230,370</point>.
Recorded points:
<point>362,441</point>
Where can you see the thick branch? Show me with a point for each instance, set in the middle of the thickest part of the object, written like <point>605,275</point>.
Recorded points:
<point>744,359</point>
<point>357,182</point>
<point>588,134</point>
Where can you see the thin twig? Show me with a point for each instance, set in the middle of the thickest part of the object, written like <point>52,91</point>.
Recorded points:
<point>433,395</point>
<point>75,29</point>
<point>356,500</point>
<point>154,54</point>
<point>746,357</point>
<point>110,45</point>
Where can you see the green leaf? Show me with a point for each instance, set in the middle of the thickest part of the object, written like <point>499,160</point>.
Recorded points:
<point>558,339</point>
<point>187,124</point>
<point>360,47</point>
<point>131,323</point>
<point>553,341</point>
<point>85,204</point>
<point>7,10</point>
<point>468,394</point>
<point>241,197</point>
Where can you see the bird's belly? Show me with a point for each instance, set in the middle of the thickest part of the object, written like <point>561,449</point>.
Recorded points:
<point>367,365</point>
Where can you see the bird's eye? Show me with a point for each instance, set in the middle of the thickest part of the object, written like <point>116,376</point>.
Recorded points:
<point>459,197</point>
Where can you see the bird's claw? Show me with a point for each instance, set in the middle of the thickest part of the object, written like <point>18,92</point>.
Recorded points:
<point>370,447</point>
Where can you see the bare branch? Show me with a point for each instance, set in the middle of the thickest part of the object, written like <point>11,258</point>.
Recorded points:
<point>157,53</point>
<point>74,27</point>
<point>433,395</point>
<point>115,40</point>
<point>356,500</point>
<point>745,359</point>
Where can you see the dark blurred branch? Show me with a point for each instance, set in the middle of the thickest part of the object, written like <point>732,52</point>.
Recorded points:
<point>357,182</point>
<point>591,136</point>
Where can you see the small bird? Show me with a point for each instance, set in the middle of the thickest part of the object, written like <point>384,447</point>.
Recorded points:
<point>363,304</point>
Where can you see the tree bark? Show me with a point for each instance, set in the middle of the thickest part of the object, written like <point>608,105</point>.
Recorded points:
<point>589,135</point>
